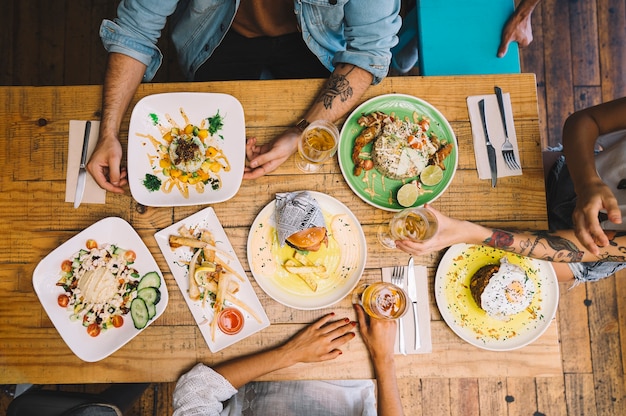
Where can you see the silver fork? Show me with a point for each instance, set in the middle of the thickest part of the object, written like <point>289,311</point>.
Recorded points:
<point>397,278</point>
<point>507,147</point>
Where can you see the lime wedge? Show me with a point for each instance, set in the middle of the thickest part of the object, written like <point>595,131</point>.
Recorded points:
<point>431,175</point>
<point>407,194</point>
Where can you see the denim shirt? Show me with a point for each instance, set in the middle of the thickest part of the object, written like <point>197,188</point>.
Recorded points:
<point>357,32</point>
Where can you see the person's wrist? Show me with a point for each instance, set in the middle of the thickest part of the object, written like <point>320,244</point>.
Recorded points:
<point>302,124</point>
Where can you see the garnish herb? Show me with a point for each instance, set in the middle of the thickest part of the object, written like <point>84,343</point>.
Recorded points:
<point>216,123</point>
<point>152,182</point>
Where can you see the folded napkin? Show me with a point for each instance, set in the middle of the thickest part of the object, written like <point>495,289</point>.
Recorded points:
<point>93,193</point>
<point>423,314</point>
<point>496,134</point>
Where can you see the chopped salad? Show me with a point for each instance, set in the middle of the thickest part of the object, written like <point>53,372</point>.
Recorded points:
<point>101,286</point>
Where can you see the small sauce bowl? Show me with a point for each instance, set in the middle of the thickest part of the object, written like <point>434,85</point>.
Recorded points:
<point>230,321</point>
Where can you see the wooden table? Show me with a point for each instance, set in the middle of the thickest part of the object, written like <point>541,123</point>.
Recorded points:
<point>34,123</point>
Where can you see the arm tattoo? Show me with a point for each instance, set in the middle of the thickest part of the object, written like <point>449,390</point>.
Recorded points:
<point>337,86</point>
<point>544,246</point>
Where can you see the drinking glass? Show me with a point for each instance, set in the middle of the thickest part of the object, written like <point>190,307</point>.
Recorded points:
<point>381,300</point>
<point>317,144</point>
<point>415,224</point>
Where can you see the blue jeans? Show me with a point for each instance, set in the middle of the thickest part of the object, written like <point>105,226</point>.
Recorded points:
<point>561,200</point>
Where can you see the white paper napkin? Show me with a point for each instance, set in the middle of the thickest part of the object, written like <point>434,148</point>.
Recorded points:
<point>423,314</point>
<point>93,193</point>
<point>496,134</point>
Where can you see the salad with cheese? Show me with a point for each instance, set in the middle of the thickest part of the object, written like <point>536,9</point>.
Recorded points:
<point>101,287</point>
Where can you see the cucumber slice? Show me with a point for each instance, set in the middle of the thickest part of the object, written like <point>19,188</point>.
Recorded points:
<point>150,279</point>
<point>139,313</point>
<point>150,295</point>
<point>151,310</point>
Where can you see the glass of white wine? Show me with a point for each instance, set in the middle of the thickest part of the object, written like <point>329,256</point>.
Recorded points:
<point>317,144</point>
<point>415,224</point>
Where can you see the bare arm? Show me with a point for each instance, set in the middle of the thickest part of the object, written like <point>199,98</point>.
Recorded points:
<point>342,92</point>
<point>518,28</point>
<point>319,341</point>
<point>580,132</point>
<point>379,337</point>
<point>559,246</point>
<point>123,76</point>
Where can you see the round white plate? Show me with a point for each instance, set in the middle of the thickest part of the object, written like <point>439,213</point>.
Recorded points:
<point>289,289</point>
<point>468,321</point>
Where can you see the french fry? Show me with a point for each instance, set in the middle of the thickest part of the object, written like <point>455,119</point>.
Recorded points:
<point>322,274</point>
<point>176,241</point>
<point>194,290</point>
<point>306,269</point>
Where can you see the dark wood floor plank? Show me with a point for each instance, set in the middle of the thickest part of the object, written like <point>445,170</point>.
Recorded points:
<point>580,392</point>
<point>7,43</point>
<point>584,41</point>
<point>551,396</point>
<point>521,396</point>
<point>605,348</point>
<point>620,296</point>
<point>79,34</point>
<point>26,50</point>
<point>586,97</point>
<point>574,329</point>
<point>52,42</point>
<point>558,66</point>
<point>492,396</point>
<point>612,35</point>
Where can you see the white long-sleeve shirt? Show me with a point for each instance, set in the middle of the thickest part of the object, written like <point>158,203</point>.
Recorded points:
<point>205,392</point>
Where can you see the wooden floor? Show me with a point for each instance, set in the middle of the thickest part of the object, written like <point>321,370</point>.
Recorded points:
<point>579,60</point>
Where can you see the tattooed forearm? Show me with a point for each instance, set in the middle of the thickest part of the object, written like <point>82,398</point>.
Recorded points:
<point>541,244</point>
<point>337,86</point>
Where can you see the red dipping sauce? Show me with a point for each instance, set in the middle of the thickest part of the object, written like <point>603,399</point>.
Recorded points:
<point>230,321</point>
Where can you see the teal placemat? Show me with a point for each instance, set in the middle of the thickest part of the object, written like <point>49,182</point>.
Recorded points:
<point>459,37</point>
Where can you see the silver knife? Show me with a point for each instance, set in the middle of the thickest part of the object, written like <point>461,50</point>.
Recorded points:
<point>491,152</point>
<point>498,91</point>
<point>82,172</point>
<point>412,289</point>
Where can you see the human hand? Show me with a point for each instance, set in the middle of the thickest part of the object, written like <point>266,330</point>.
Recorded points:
<point>450,231</point>
<point>379,335</point>
<point>268,157</point>
<point>595,196</point>
<point>517,29</point>
<point>105,165</point>
<point>319,341</point>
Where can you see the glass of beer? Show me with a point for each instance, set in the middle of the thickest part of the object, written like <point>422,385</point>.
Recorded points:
<point>415,224</point>
<point>317,144</point>
<point>381,300</point>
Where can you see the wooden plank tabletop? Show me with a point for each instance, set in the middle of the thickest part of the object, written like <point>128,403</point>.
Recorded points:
<point>34,123</point>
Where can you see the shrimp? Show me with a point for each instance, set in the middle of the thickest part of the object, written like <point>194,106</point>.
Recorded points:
<point>373,124</point>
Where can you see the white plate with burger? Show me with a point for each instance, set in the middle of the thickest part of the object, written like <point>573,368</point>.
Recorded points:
<point>322,271</point>
<point>494,299</point>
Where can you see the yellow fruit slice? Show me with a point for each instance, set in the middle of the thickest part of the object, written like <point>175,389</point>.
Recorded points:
<point>407,194</point>
<point>431,175</point>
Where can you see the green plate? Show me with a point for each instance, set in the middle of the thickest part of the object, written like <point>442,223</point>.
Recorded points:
<point>371,186</point>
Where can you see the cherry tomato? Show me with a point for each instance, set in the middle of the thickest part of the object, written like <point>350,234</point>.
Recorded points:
<point>117,321</point>
<point>91,244</point>
<point>130,256</point>
<point>66,266</point>
<point>63,300</point>
<point>93,330</point>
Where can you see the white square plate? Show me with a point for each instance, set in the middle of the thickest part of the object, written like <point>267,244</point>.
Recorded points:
<point>112,230</point>
<point>178,259</point>
<point>165,111</point>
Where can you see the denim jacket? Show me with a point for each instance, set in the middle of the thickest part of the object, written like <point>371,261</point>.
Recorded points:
<point>358,32</point>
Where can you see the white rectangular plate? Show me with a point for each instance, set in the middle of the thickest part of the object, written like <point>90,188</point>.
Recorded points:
<point>112,230</point>
<point>177,261</point>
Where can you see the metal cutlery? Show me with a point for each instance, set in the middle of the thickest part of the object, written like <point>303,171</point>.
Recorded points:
<point>397,278</point>
<point>507,148</point>
<point>491,151</point>
<point>82,171</point>
<point>412,291</point>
